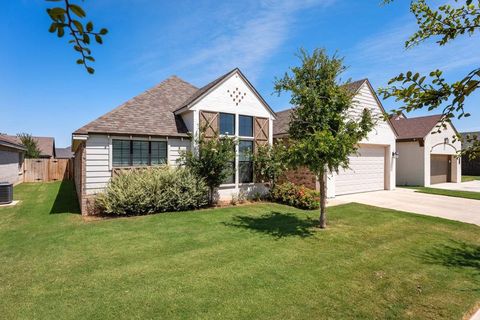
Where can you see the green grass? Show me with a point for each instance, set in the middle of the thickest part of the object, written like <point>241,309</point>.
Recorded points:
<point>470,178</point>
<point>248,262</point>
<point>449,193</point>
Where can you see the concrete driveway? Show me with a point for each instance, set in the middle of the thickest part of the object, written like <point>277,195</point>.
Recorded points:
<point>464,186</point>
<point>459,209</point>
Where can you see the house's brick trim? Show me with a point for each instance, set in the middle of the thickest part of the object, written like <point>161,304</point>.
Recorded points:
<point>301,176</point>
<point>79,175</point>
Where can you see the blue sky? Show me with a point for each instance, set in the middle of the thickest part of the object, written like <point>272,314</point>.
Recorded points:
<point>43,91</point>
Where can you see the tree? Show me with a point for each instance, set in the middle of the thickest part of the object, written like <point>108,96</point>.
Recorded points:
<point>417,91</point>
<point>33,152</point>
<point>211,160</point>
<point>67,18</point>
<point>270,162</point>
<point>321,135</point>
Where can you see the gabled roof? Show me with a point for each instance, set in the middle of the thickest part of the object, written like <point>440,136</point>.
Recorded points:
<point>151,113</point>
<point>46,145</point>
<point>8,141</point>
<point>280,126</point>
<point>415,128</point>
<point>64,153</point>
<point>212,85</point>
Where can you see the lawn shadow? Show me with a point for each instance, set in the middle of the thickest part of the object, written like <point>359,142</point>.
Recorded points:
<point>457,254</point>
<point>66,199</point>
<point>276,224</point>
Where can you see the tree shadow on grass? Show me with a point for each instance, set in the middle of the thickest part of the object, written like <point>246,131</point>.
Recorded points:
<point>456,254</point>
<point>66,199</point>
<point>276,224</point>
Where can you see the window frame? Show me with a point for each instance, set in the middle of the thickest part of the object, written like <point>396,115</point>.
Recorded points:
<point>130,154</point>
<point>250,161</point>
<point>234,132</point>
<point>240,116</point>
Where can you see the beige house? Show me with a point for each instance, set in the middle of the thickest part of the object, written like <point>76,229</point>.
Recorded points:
<point>425,156</point>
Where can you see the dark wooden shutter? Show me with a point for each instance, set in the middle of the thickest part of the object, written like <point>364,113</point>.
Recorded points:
<point>261,131</point>
<point>209,123</point>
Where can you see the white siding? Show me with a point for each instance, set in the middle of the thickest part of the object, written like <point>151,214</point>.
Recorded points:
<point>99,160</point>
<point>382,135</point>
<point>410,164</point>
<point>97,163</point>
<point>10,170</point>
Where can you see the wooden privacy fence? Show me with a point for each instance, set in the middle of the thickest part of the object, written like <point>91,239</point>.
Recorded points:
<point>45,170</point>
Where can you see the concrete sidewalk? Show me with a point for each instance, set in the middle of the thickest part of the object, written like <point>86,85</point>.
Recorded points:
<point>464,186</point>
<point>459,209</point>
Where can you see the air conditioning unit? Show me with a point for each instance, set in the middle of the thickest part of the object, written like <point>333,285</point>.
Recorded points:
<point>6,193</point>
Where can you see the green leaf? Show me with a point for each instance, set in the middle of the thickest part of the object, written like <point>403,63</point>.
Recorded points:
<point>77,10</point>
<point>89,26</point>
<point>90,70</point>
<point>103,31</point>
<point>98,39</point>
<point>53,27</point>
<point>60,31</point>
<point>78,25</point>
<point>90,58</point>
<point>80,61</point>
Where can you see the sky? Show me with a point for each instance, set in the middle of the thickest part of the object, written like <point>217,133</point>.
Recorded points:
<point>44,92</point>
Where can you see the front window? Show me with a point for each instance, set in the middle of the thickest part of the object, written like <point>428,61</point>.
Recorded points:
<point>245,126</point>
<point>121,153</point>
<point>140,153</point>
<point>227,124</point>
<point>128,153</point>
<point>245,163</point>
<point>158,152</point>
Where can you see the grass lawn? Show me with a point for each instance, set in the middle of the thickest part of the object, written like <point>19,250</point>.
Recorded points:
<point>470,178</point>
<point>257,261</point>
<point>449,193</point>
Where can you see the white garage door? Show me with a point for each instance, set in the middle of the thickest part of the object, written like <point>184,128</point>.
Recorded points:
<point>366,172</point>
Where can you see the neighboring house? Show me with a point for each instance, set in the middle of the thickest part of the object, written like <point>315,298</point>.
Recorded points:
<point>46,145</point>
<point>426,157</point>
<point>63,153</point>
<point>373,167</point>
<point>153,128</point>
<point>11,160</point>
<point>470,167</point>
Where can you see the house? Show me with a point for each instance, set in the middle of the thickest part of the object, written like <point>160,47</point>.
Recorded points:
<point>63,153</point>
<point>46,145</point>
<point>426,157</point>
<point>154,128</point>
<point>470,167</point>
<point>373,167</point>
<point>11,160</point>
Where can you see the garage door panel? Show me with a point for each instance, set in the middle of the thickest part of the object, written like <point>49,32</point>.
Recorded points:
<point>366,172</point>
<point>439,168</point>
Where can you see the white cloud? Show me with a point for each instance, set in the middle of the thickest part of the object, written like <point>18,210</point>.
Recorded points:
<point>246,42</point>
<point>383,55</point>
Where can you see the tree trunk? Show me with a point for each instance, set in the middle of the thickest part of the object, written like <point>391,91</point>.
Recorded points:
<point>323,201</point>
<point>212,189</point>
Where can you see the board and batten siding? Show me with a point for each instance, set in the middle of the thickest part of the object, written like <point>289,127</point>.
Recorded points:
<point>98,159</point>
<point>381,135</point>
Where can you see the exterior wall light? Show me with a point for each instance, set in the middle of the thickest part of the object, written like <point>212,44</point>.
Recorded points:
<point>445,141</point>
<point>395,155</point>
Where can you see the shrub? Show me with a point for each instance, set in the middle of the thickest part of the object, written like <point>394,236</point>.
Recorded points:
<point>295,196</point>
<point>151,190</point>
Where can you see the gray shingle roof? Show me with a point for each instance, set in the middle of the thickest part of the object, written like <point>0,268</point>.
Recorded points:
<point>11,142</point>
<point>415,128</point>
<point>46,145</point>
<point>64,153</point>
<point>150,113</point>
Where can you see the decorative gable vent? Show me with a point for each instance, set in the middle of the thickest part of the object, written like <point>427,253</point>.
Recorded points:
<point>236,95</point>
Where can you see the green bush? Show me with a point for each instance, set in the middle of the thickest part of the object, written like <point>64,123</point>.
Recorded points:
<point>295,196</point>
<point>151,190</point>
